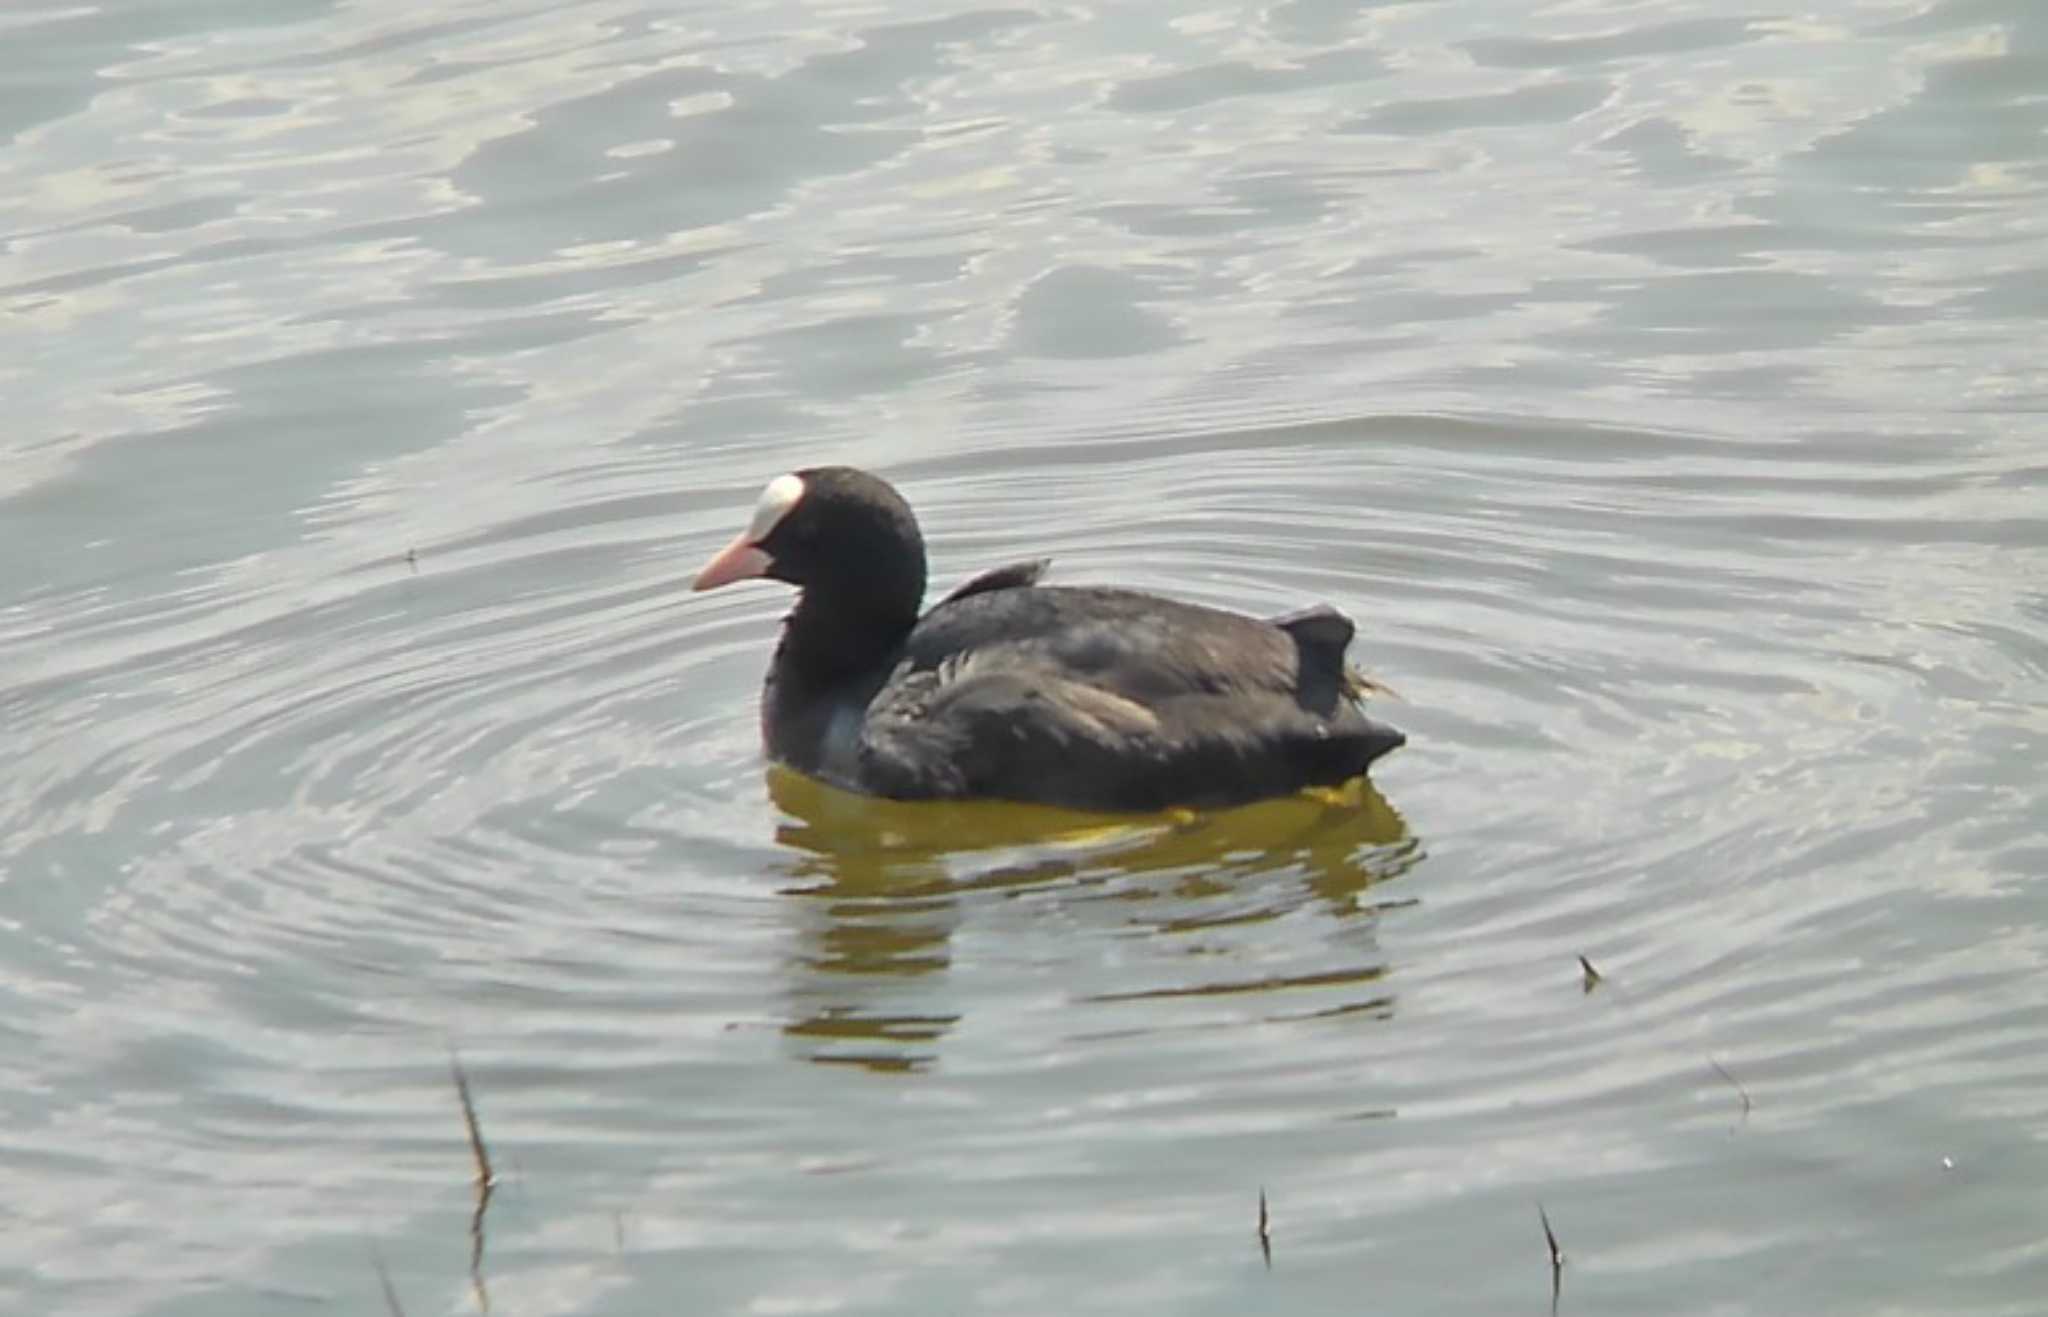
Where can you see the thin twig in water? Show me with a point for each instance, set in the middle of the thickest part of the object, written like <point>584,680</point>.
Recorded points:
<point>1556,1259</point>
<point>1265,1234</point>
<point>384,1279</point>
<point>486,1181</point>
<point>1739,1089</point>
<point>1592,977</point>
<point>484,1176</point>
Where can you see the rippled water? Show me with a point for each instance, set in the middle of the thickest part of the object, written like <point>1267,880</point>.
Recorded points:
<point>1658,384</point>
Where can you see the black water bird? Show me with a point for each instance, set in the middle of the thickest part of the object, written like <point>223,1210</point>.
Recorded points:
<point>1089,697</point>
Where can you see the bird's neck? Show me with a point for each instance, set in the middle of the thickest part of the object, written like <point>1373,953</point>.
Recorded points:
<point>828,665</point>
<point>827,641</point>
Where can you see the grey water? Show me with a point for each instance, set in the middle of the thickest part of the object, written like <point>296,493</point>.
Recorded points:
<point>1660,385</point>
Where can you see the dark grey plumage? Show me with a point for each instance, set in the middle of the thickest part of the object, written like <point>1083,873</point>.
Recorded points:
<point>1090,697</point>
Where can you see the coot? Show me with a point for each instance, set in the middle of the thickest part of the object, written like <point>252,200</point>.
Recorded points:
<point>1089,697</point>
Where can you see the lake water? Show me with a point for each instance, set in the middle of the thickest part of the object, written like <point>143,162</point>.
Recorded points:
<point>1660,385</point>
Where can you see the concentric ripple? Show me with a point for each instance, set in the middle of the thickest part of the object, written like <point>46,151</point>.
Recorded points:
<point>1658,387</point>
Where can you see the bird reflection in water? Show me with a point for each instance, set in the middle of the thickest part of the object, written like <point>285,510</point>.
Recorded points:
<point>881,885</point>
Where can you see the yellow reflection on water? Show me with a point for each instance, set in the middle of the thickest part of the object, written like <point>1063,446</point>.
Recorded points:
<point>862,845</point>
<point>883,883</point>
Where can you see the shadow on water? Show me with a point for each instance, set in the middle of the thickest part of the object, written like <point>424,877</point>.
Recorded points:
<point>883,885</point>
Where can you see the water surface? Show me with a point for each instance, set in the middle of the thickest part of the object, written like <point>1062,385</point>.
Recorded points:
<point>1657,384</point>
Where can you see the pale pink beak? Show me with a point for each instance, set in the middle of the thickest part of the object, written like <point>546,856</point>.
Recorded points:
<point>737,561</point>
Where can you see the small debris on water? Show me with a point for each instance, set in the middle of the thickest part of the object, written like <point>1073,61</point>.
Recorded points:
<point>391,1303</point>
<point>1743,1092</point>
<point>486,1182</point>
<point>1556,1257</point>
